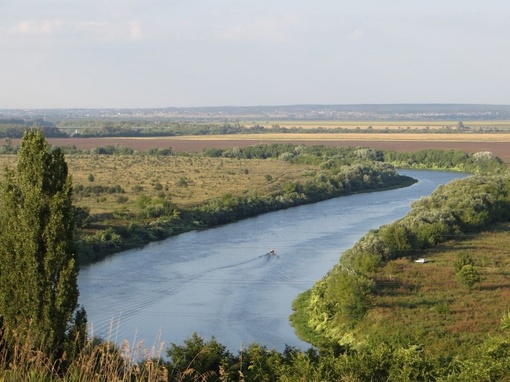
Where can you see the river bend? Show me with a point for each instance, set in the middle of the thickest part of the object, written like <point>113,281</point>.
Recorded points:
<point>221,282</point>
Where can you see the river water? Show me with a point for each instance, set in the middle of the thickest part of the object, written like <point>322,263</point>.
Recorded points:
<point>222,282</point>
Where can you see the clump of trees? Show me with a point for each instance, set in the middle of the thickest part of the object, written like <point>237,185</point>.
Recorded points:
<point>478,163</point>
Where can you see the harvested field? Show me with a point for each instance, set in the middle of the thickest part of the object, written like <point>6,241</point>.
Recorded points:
<point>498,144</point>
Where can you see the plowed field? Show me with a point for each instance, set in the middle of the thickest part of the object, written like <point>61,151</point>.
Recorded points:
<point>498,144</point>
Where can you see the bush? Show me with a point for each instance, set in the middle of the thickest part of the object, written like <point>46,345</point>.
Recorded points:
<point>468,276</point>
<point>121,199</point>
<point>367,255</point>
<point>462,259</point>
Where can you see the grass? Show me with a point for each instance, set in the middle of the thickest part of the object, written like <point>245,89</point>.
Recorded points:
<point>186,181</point>
<point>97,361</point>
<point>424,304</point>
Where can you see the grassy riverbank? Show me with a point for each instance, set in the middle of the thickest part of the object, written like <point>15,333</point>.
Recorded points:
<point>447,303</point>
<point>423,303</point>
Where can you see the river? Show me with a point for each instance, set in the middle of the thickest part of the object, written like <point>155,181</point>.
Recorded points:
<point>221,282</point>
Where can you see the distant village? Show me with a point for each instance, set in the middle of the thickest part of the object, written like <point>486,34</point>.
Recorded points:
<point>403,112</point>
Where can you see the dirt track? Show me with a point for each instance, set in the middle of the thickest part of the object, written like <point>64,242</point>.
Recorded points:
<point>500,149</point>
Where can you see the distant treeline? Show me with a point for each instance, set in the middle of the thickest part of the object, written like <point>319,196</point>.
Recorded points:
<point>151,128</point>
<point>325,156</point>
<point>14,128</point>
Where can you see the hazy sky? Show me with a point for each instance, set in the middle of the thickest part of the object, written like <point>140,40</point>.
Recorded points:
<point>159,53</point>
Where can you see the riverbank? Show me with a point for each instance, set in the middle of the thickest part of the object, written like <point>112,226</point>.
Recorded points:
<point>220,282</point>
<point>310,174</point>
<point>431,303</point>
<point>120,238</point>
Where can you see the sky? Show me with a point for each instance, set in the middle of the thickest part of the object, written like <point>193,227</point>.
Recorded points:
<point>185,53</point>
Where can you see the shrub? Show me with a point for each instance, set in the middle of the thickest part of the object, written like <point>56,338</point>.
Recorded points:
<point>121,199</point>
<point>468,276</point>
<point>462,259</point>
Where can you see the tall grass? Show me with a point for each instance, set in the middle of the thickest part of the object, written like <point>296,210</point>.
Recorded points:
<point>96,361</point>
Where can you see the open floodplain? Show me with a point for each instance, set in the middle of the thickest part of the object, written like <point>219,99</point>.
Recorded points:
<point>191,180</point>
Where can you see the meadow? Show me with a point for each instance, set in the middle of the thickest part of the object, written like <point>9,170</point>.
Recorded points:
<point>423,303</point>
<point>107,183</point>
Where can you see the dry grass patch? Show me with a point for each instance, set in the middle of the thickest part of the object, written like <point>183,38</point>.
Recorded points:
<point>184,180</point>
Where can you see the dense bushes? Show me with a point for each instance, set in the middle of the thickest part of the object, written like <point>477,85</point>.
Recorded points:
<point>85,191</point>
<point>480,162</point>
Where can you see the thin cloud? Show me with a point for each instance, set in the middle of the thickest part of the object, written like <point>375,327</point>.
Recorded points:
<point>261,30</point>
<point>95,30</point>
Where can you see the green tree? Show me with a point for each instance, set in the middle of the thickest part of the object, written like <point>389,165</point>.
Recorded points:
<point>398,237</point>
<point>350,293</point>
<point>367,255</point>
<point>38,271</point>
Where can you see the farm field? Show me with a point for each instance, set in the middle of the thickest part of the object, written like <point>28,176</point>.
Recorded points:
<point>497,143</point>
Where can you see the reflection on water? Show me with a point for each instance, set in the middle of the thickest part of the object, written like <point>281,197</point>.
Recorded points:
<point>222,282</point>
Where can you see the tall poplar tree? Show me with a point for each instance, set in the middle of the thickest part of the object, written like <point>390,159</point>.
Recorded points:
<point>38,270</point>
